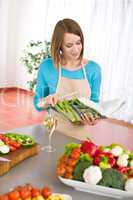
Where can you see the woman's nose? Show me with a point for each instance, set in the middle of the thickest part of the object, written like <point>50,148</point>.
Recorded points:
<point>75,48</point>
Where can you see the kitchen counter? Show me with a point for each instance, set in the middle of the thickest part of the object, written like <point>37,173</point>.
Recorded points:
<point>40,170</point>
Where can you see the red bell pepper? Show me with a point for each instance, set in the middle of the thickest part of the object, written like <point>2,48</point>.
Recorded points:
<point>123,170</point>
<point>89,147</point>
<point>104,157</point>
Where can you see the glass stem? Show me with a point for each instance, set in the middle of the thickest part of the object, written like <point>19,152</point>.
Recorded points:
<point>50,136</point>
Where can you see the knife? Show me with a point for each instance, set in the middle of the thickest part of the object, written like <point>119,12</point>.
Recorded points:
<point>4,159</point>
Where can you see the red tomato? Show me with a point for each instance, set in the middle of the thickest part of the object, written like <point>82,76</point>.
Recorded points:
<point>14,195</point>
<point>6,140</point>
<point>24,192</point>
<point>12,148</point>
<point>35,192</point>
<point>4,197</point>
<point>3,137</point>
<point>14,144</point>
<point>46,192</point>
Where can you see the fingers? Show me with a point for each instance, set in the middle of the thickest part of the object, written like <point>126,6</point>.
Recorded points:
<point>88,120</point>
<point>54,100</point>
<point>51,100</point>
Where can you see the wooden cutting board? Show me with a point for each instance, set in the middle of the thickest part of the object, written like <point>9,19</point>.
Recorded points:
<point>16,157</point>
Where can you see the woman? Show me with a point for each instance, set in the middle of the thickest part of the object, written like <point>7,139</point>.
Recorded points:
<point>67,72</point>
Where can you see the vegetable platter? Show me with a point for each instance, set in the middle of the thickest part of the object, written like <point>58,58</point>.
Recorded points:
<point>103,170</point>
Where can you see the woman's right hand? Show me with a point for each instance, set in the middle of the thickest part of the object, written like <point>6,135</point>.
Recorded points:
<point>49,100</point>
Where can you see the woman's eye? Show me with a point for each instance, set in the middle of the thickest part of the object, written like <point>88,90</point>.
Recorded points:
<point>78,43</point>
<point>68,46</point>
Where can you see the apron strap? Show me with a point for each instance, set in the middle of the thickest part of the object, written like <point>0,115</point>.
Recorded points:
<point>59,77</point>
<point>85,76</point>
<point>84,72</point>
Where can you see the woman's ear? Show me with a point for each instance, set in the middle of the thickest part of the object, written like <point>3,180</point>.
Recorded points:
<point>60,52</point>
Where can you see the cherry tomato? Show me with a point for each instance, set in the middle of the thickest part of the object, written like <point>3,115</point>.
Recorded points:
<point>46,192</point>
<point>75,153</point>
<point>69,169</point>
<point>61,170</point>
<point>14,195</point>
<point>4,197</point>
<point>35,192</point>
<point>72,162</point>
<point>24,192</point>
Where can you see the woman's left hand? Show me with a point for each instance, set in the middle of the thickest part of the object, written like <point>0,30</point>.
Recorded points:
<point>87,120</point>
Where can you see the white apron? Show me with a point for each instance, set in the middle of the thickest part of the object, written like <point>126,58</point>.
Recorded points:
<point>67,86</point>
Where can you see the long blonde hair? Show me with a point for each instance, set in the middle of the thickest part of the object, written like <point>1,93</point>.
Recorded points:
<point>62,27</point>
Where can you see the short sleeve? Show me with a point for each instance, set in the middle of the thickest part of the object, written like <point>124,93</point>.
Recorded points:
<point>94,78</point>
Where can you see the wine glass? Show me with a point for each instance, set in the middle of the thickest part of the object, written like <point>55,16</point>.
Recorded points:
<point>50,124</point>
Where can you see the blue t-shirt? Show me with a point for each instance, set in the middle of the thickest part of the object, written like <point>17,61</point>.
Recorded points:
<point>48,78</point>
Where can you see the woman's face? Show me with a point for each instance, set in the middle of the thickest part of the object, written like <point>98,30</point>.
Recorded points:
<point>71,46</point>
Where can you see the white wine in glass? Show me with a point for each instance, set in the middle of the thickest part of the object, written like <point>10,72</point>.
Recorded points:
<point>50,123</point>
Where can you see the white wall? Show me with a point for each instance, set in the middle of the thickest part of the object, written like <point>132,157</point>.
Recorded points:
<point>20,21</point>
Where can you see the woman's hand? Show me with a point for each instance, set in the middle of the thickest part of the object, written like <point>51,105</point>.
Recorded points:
<point>87,120</point>
<point>49,100</point>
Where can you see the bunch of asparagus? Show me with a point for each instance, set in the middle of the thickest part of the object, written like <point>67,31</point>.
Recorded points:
<point>73,109</point>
